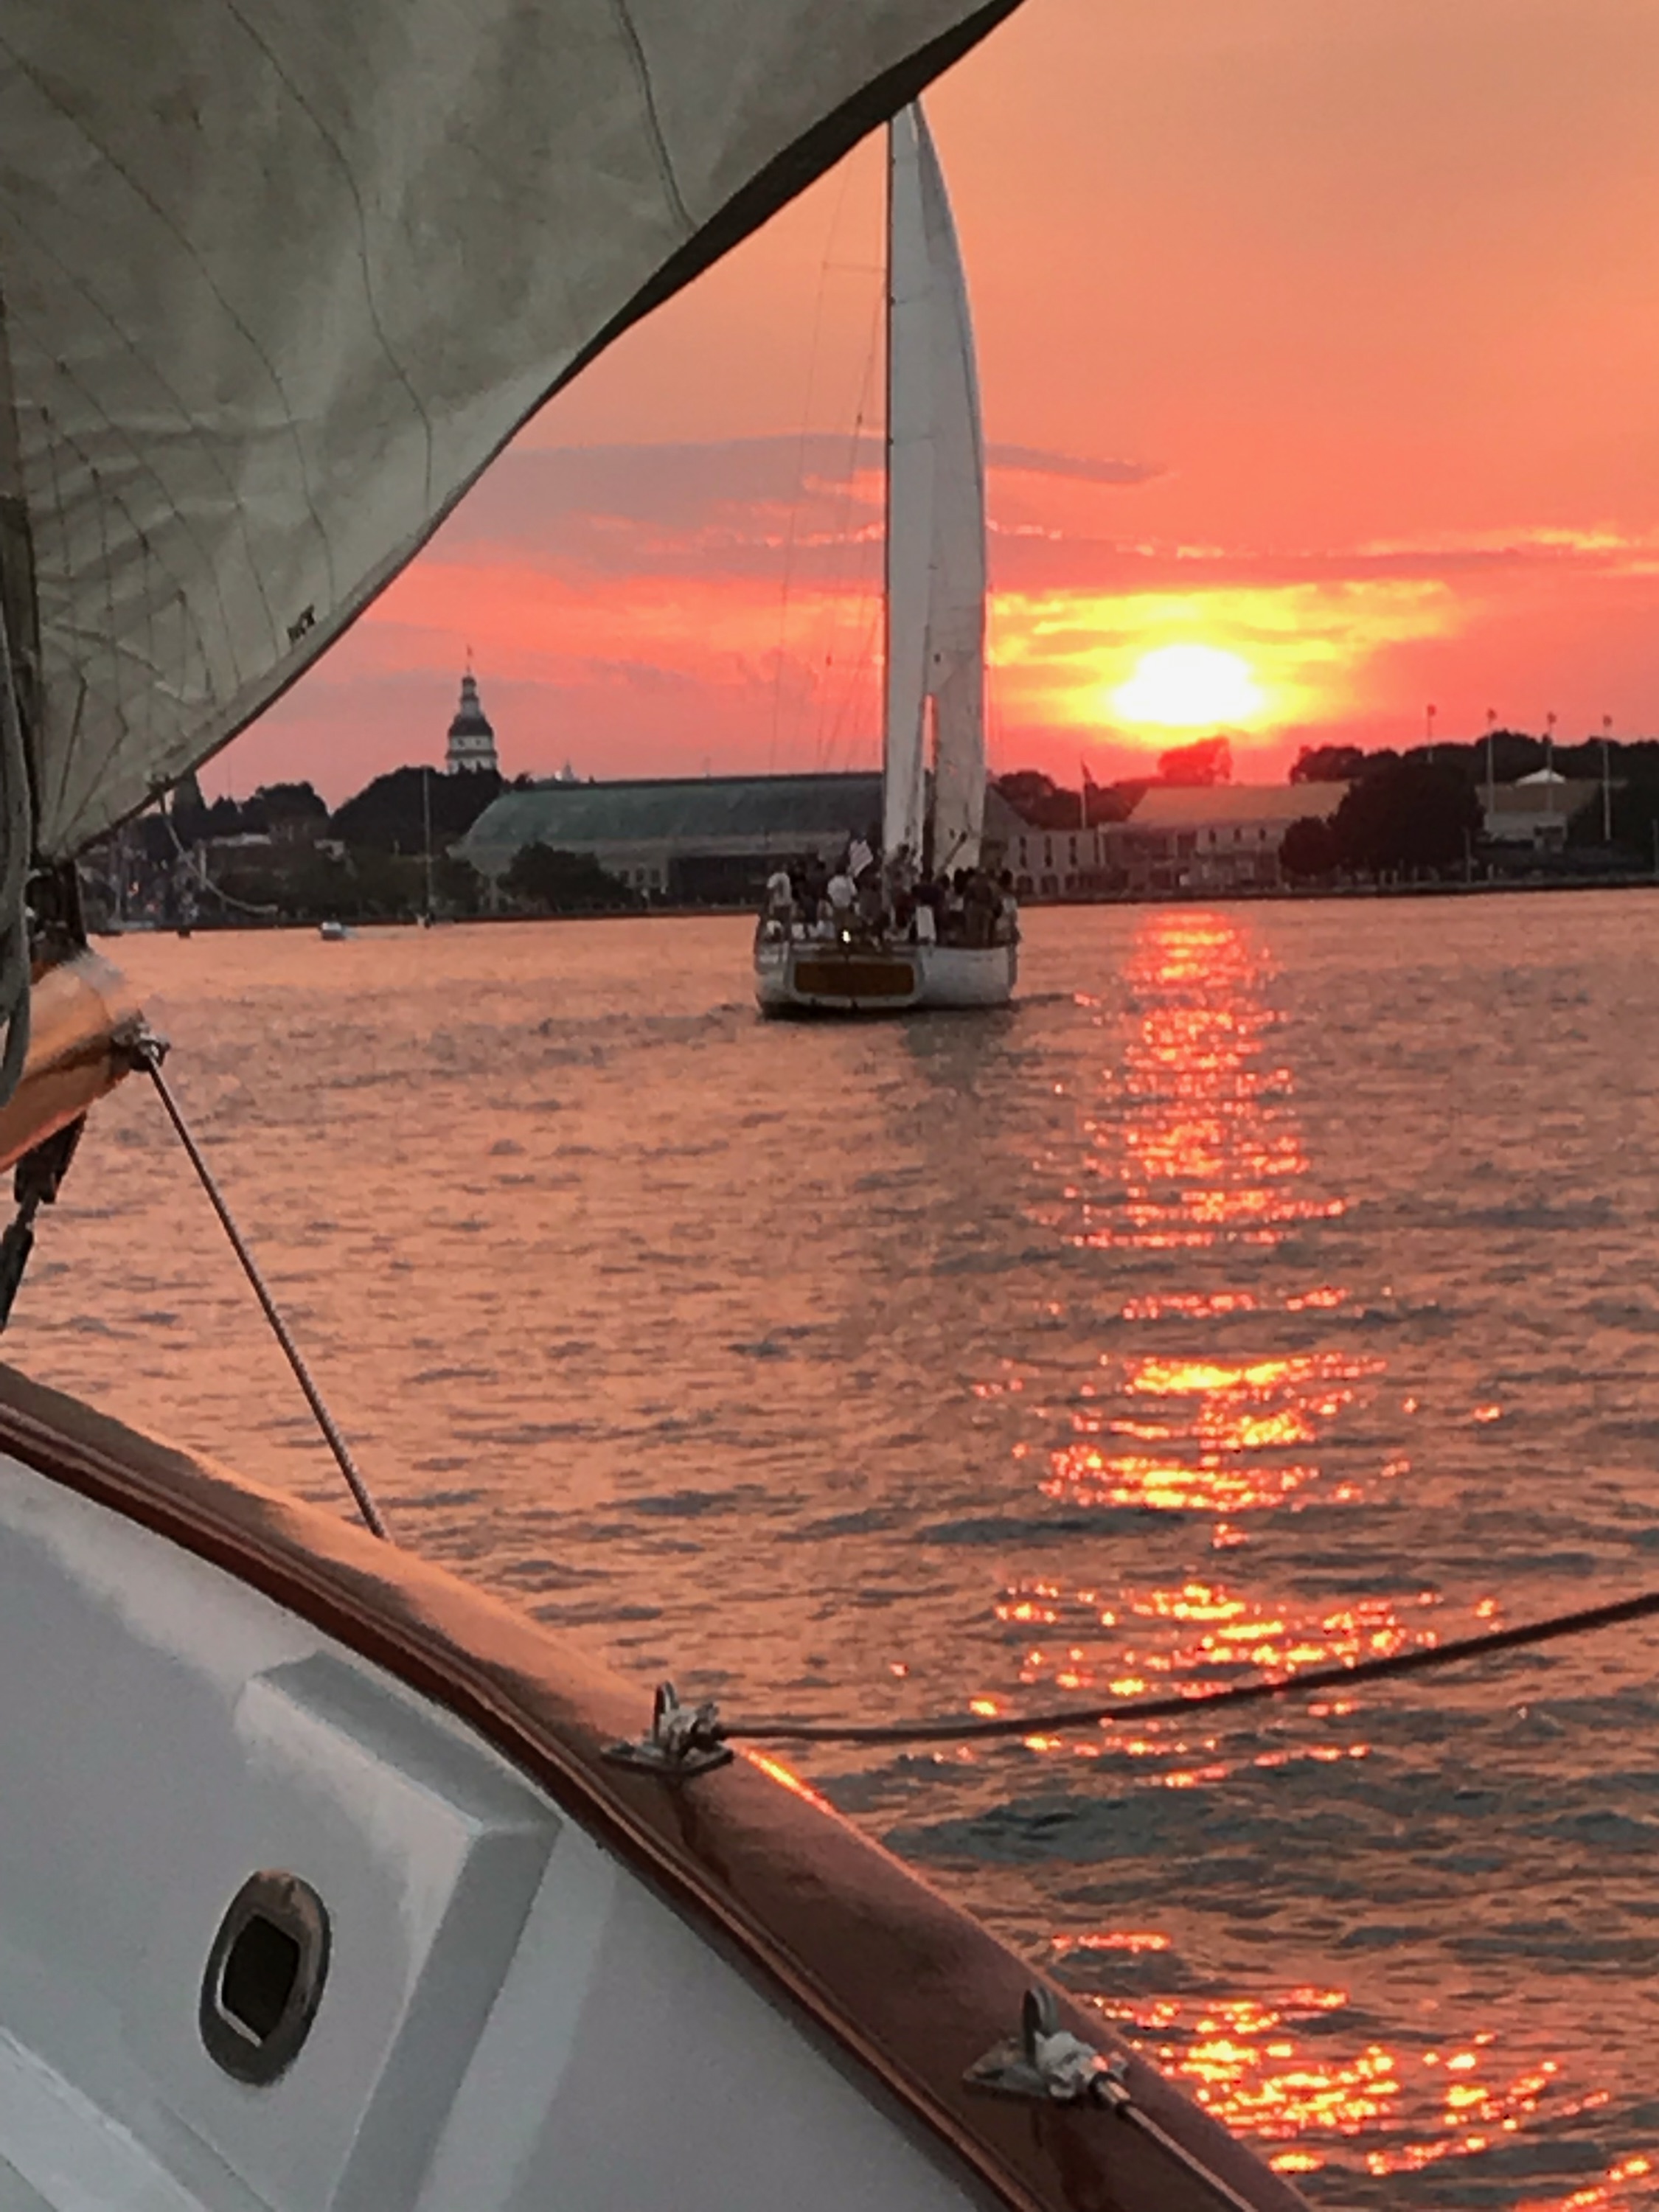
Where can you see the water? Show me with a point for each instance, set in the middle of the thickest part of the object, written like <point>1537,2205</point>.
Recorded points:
<point>1273,1283</point>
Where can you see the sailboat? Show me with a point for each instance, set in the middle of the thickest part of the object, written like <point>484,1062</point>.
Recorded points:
<point>934,659</point>
<point>326,1883</point>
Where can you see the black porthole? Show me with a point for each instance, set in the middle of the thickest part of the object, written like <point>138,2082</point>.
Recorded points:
<point>265,1977</point>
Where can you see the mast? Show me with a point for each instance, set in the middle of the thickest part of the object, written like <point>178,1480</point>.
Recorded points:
<point>887,794</point>
<point>426,825</point>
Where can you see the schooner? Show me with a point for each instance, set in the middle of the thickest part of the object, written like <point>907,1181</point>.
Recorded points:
<point>933,813</point>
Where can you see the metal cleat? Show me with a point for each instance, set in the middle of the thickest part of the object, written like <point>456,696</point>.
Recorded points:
<point>1046,2062</point>
<point>684,1740</point>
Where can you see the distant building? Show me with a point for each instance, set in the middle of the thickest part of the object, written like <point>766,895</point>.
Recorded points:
<point>471,740</point>
<point>687,841</point>
<point>1178,837</point>
<point>1535,812</point>
<point>1211,837</point>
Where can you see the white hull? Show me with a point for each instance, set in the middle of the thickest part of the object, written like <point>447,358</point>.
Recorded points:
<point>543,1983</point>
<point>796,978</point>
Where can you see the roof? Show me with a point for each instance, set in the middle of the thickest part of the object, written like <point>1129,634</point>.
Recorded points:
<point>1202,806</point>
<point>1562,797</point>
<point>707,810</point>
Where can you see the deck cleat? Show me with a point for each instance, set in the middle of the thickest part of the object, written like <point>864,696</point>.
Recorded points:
<point>684,1740</point>
<point>1046,2062</point>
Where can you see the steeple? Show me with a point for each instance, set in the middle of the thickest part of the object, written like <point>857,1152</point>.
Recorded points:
<point>471,740</point>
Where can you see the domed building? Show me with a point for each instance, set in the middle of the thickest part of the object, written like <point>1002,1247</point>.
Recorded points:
<point>472,740</point>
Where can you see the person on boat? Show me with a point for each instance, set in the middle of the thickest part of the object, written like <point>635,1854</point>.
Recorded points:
<point>843,895</point>
<point>1008,928</point>
<point>779,896</point>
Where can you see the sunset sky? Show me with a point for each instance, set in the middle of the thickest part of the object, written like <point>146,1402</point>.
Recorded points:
<point>1318,341</point>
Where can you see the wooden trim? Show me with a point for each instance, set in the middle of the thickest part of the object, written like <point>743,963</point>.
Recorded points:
<point>907,1987</point>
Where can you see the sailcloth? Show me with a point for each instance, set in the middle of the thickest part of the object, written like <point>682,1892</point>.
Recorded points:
<point>936,574</point>
<point>278,278</point>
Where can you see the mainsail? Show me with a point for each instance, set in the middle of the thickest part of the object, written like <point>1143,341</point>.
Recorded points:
<point>935,518</point>
<point>279,277</point>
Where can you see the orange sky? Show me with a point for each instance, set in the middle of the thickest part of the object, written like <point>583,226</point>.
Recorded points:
<point>1324,336</point>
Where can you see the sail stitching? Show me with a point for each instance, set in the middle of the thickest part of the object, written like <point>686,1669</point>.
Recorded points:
<point>118,169</point>
<point>347,172</point>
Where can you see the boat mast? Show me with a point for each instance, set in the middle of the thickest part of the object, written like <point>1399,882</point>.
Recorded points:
<point>426,823</point>
<point>887,493</point>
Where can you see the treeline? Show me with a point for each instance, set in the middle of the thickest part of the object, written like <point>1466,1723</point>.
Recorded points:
<point>282,855</point>
<point>1424,809</point>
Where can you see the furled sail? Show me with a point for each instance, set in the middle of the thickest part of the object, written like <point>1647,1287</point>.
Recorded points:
<point>278,279</point>
<point>936,518</point>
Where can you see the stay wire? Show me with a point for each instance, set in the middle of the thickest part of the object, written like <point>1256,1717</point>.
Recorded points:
<point>1586,1621</point>
<point>147,1054</point>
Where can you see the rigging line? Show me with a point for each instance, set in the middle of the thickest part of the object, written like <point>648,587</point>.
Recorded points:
<point>800,469</point>
<point>1584,1622</point>
<point>148,1052</point>
<point>16,852</point>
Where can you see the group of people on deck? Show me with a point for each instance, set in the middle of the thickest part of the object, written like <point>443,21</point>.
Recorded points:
<point>864,899</point>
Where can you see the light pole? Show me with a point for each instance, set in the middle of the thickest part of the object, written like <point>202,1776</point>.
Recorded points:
<point>1606,780</point>
<point>1429,713</point>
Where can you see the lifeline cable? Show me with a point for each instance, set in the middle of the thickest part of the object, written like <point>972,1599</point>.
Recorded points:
<point>1584,1622</point>
<point>147,1053</point>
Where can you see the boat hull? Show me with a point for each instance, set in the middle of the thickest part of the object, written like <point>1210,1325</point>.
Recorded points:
<point>551,1980</point>
<point>802,978</point>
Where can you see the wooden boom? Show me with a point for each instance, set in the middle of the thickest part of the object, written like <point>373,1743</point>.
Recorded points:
<point>83,1020</point>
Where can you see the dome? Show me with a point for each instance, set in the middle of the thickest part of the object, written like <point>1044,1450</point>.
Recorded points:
<point>472,738</point>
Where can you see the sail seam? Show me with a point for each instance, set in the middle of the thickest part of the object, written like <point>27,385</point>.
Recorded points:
<point>654,121</point>
<point>347,173</point>
<point>205,447</point>
<point>105,494</point>
<point>118,169</point>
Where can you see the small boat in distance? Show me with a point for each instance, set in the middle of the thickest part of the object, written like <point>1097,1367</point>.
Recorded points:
<point>919,926</point>
<point>332,932</point>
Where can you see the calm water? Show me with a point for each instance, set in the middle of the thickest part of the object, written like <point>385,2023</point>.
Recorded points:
<point>1274,1283</point>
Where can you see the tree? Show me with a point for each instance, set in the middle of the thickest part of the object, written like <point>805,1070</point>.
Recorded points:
<point>1210,761</point>
<point>390,814</point>
<point>1310,851</point>
<point>1039,801</point>
<point>1407,814</point>
<point>291,809</point>
<point>549,881</point>
<point>1328,764</point>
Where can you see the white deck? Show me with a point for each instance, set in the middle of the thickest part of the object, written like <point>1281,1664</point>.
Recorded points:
<point>511,2022</point>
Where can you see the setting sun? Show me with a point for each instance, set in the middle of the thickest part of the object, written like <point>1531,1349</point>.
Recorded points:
<point>1189,687</point>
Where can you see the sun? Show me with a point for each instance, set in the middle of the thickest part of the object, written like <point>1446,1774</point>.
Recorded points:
<point>1189,687</point>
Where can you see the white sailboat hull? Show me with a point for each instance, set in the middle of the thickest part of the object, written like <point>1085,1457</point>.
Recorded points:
<point>794,978</point>
<point>543,1982</point>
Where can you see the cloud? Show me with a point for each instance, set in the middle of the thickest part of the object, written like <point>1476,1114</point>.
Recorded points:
<point>1038,461</point>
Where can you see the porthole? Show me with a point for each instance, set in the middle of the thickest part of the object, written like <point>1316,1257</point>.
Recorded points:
<point>265,1977</point>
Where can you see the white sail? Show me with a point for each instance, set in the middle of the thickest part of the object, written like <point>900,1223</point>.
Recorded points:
<point>936,518</point>
<point>276,282</point>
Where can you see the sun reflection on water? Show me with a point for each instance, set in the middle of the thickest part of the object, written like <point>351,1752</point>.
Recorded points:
<point>1240,1382</point>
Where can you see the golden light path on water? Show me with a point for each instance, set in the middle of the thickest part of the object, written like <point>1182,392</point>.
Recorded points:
<point>1200,1150</point>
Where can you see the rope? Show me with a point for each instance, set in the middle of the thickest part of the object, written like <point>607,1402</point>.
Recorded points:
<point>1585,1622</point>
<point>148,1053</point>
<point>17,834</point>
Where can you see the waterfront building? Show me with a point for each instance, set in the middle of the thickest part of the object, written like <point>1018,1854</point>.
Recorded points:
<point>1536,810</point>
<point>472,740</point>
<point>1209,837</point>
<point>685,840</point>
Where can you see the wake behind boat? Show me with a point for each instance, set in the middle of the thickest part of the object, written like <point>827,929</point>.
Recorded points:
<point>918,925</point>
